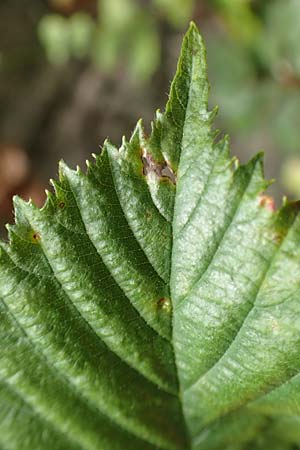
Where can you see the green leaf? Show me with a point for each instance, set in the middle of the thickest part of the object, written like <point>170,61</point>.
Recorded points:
<point>153,302</point>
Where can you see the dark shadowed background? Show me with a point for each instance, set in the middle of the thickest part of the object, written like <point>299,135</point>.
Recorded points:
<point>73,72</point>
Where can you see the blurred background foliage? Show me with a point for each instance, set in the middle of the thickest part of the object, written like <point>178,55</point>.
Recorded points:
<point>73,72</point>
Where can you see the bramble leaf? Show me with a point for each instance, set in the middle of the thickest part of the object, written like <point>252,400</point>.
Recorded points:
<point>154,301</point>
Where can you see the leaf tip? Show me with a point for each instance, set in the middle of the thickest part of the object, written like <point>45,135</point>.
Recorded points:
<point>62,169</point>
<point>193,29</point>
<point>258,161</point>
<point>20,203</point>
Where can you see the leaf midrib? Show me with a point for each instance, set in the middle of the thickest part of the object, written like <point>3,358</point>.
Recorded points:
<point>180,389</point>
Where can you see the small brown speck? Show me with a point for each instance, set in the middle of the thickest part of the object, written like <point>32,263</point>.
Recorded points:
<point>61,205</point>
<point>36,236</point>
<point>267,202</point>
<point>164,304</point>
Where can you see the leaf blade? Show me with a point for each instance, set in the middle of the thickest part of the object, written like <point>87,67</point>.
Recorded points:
<point>153,301</point>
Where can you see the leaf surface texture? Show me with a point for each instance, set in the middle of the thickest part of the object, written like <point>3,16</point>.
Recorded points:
<point>153,302</point>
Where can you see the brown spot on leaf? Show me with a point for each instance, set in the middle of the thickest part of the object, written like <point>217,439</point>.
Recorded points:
<point>164,304</point>
<point>268,202</point>
<point>36,237</point>
<point>61,205</point>
<point>277,238</point>
<point>161,170</point>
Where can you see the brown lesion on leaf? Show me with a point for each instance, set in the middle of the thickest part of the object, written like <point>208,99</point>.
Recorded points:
<point>277,237</point>
<point>284,219</point>
<point>267,202</point>
<point>61,205</point>
<point>36,237</point>
<point>161,170</point>
<point>164,304</point>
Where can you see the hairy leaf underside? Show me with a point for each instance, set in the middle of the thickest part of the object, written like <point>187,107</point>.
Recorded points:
<point>154,301</point>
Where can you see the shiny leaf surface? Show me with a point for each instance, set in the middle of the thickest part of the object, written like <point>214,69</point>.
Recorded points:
<point>153,302</point>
